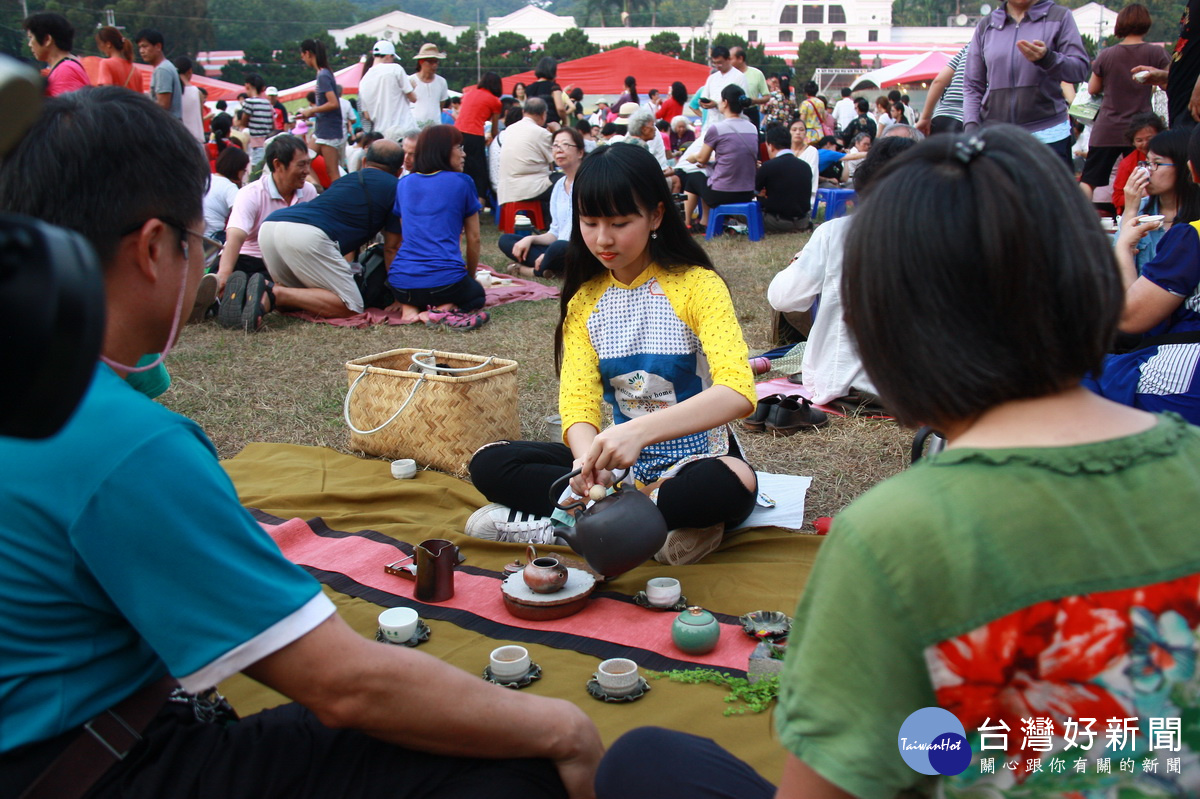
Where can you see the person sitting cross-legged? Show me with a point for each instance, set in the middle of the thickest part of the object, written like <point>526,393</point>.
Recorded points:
<point>542,255</point>
<point>132,568</point>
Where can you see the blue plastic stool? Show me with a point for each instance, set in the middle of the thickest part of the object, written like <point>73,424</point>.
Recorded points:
<point>835,202</point>
<point>751,210</point>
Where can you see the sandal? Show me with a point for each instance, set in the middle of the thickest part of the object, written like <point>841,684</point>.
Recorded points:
<point>230,313</point>
<point>257,287</point>
<point>457,320</point>
<point>206,297</point>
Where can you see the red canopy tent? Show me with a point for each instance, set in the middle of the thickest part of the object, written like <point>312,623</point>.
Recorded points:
<point>919,68</point>
<point>604,73</point>
<point>347,77</point>
<point>217,89</point>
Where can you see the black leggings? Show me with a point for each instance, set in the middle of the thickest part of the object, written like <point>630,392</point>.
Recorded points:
<point>555,253</point>
<point>519,474</point>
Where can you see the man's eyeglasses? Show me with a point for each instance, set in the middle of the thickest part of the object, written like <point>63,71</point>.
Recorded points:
<point>212,247</point>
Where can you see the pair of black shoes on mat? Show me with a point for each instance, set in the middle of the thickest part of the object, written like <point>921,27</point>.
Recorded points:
<point>785,414</point>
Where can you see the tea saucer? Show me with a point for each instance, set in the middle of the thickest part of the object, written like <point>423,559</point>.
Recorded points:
<point>534,673</point>
<point>597,691</point>
<point>420,636</point>
<point>773,625</point>
<point>641,599</point>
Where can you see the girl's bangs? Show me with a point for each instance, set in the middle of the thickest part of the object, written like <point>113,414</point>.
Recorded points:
<point>605,192</point>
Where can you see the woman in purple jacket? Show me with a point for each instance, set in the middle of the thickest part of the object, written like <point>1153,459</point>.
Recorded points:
<point>1020,55</point>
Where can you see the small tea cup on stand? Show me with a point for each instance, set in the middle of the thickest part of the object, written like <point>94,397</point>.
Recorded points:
<point>398,625</point>
<point>618,676</point>
<point>663,592</point>
<point>509,663</point>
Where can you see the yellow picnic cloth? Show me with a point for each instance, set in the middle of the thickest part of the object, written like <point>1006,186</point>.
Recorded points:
<point>762,569</point>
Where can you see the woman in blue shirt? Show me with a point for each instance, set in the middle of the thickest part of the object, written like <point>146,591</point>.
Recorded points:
<point>436,202</point>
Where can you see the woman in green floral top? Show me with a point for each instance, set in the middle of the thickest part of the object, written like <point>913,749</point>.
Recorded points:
<point>780,108</point>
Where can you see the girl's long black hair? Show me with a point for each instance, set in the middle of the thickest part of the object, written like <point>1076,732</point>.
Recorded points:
<point>618,180</point>
<point>1173,145</point>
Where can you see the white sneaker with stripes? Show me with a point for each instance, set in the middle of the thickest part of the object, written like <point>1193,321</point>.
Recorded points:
<point>496,522</point>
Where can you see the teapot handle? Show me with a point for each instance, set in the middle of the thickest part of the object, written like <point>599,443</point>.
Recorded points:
<point>556,489</point>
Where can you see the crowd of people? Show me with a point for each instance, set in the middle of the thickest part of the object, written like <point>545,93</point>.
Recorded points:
<point>973,290</point>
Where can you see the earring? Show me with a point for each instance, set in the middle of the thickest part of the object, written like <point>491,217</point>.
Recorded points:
<point>654,234</point>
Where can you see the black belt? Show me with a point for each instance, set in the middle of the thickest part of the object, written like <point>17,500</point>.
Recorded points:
<point>100,744</point>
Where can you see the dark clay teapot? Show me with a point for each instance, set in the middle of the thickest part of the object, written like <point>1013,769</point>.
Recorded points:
<point>617,533</point>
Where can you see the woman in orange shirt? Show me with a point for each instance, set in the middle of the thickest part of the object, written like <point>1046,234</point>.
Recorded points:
<point>117,68</point>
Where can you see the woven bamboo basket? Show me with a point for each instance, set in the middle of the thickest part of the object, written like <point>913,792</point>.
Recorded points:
<point>434,407</point>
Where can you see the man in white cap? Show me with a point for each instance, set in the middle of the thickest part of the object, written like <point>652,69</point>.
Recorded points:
<point>281,114</point>
<point>386,93</point>
<point>430,87</point>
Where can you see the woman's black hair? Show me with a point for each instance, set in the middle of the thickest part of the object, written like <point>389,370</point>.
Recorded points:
<point>513,115</point>
<point>1173,146</point>
<point>546,69</point>
<point>619,180</point>
<point>1147,119</point>
<point>575,136</point>
<point>990,304</point>
<point>231,161</point>
<point>810,88</point>
<point>631,87</point>
<point>317,48</point>
<point>434,147</point>
<point>55,26</point>
<point>522,85</point>
<point>679,92</point>
<point>785,86</point>
<point>735,97</point>
<point>491,82</point>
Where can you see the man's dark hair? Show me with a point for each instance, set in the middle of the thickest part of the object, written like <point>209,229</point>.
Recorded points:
<point>222,105</point>
<point>845,91</point>
<point>719,51</point>
<point>373,136</point>
<point>894,96</point>
<point>149,35</point>
<point>260,85</point>
<point>387,154</point>
<point>311,97</point>
<point>988,304</point>
<point>231,161</point>
<point>862,105</point>
<point>83,144</point>
<point>283,148</point>
<point>513,115</point>
<point>609,129</point>
<point>663,125</point>
<point>56,26</point>
<point>434,146</point>
<point>583,126</point>
<point>183,65</point>
<point>828,140</point>
<point>778,137</point>
<point>810,88</point>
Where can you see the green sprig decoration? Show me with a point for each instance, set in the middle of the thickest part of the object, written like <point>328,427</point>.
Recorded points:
<point>754,698</point>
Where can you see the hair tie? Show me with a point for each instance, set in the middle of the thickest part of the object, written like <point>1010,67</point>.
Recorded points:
<point>743,100</point>
<point>966,150</point>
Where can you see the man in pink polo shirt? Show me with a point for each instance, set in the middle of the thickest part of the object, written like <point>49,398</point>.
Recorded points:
<point>284,183</point>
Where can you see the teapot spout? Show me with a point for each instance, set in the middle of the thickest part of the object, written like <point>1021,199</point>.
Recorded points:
<point>570,535</point>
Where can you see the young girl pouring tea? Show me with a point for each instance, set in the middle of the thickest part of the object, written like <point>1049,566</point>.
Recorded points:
<point>648,327</point>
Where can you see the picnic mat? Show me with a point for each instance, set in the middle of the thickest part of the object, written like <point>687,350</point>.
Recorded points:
<point>520,289</point>
<point>345,518</point>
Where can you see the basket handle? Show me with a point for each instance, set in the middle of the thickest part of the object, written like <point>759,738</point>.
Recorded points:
<point>411,394</point>
<point>392,418</point>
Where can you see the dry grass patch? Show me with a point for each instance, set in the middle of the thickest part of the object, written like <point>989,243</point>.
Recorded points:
<point>285,384</point>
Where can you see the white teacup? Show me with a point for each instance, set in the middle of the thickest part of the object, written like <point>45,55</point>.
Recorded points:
<point>663,592</point>
<point>510,662</point>
<point>618,676</point>
<point>404,469</point>
<point>398,624</point>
